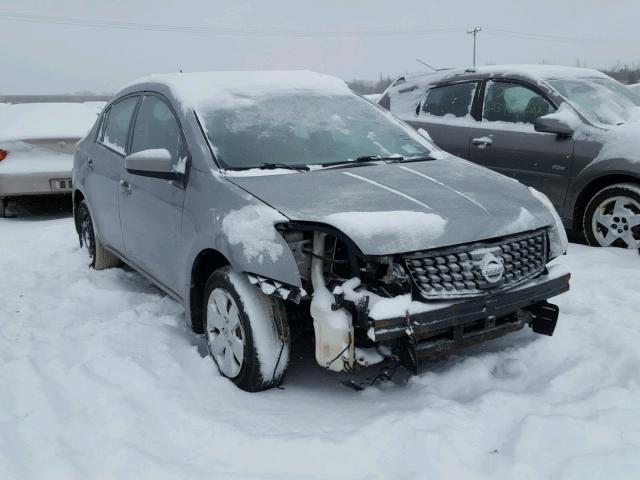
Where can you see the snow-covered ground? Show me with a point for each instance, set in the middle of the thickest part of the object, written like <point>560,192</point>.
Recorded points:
<point>101,378</point>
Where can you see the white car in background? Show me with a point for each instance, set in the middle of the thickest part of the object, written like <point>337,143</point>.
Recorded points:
<point>37,141</point>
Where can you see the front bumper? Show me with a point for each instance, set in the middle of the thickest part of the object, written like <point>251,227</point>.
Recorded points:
<point>35,183</point>
<point>449,326</point>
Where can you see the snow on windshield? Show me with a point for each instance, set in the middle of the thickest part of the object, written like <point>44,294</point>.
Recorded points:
<point>601,100</point>
<point>306,128</point>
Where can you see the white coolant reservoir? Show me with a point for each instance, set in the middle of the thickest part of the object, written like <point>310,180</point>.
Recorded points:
<point>333,329</point>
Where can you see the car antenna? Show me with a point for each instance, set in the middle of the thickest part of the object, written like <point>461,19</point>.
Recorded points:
<point>426,65</point>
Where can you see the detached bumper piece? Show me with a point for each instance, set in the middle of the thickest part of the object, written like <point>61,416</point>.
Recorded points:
<point>444,330</point>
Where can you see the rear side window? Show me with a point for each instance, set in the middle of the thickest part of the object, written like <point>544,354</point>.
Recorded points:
<point>118,119</point>
<point>514,103</point>
<point>450,100</point>
<point>156,127</point>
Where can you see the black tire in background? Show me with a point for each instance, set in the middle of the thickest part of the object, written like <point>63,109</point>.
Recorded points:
<point>620,225</point>
<point>264,329</point>
<point>99,256</point>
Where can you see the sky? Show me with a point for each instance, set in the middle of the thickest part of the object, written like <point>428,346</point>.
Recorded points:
<point>349,38</point>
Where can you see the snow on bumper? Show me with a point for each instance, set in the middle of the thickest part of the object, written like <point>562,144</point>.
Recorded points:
<point>449,318</point>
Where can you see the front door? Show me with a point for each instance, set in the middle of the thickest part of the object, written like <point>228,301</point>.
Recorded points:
<point>506,141</point>
<point>445,114</point>
<point>105,167</point>
<point>151,208</point>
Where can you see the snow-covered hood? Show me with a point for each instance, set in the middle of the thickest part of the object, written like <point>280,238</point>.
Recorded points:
<point>397,208</point>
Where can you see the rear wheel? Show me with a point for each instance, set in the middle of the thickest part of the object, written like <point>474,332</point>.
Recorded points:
<point>246,331</point>
<point>612,217</point>
<point>99,257</point>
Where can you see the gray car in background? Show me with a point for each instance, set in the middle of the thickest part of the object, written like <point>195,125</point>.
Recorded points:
<point>267,202</point>
<point>571,133</point>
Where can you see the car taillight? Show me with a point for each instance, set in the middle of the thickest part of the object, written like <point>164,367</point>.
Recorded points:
<point>3,154</point>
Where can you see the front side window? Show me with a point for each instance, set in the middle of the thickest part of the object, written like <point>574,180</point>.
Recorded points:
<point>514,103</point>
<point>450,100</point>
<point>306,129</point>
<point>156,127</point>
<point>118,120</point>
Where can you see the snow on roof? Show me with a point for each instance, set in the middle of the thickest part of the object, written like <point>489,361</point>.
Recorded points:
<point>225,89</point>
<point>42,121</point>
<point>538,72</point>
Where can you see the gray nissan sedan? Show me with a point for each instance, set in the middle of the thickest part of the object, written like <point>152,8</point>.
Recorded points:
<point>271,202</point>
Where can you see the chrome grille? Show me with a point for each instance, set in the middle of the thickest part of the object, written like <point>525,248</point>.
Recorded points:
<point>473,269</point>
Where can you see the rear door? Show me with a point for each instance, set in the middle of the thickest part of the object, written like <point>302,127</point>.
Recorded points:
<point>505,140</point>
<point>445,113</point>
<point>151,208</point>
<point>105,167</point>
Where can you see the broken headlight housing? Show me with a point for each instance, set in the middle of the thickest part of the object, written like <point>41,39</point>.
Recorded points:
<point>558,240</point>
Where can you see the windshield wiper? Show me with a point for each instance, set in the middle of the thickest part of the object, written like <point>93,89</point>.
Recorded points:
<point>360,161</point>
<point>273,166</point>
<point>421,158</point>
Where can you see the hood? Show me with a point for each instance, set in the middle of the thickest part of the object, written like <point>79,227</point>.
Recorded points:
<point>396,208</point>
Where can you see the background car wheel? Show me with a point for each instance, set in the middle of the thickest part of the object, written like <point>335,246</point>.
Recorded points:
<point>100,258</point>
<point>246,331</point>
<point>612,217</point>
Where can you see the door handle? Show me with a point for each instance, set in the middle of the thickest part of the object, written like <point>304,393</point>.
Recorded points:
<point>482,142</point>
<point>90,165</point>
<point>125,187</point>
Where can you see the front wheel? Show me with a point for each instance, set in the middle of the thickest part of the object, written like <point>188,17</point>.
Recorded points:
<point>246,331</point>
<point>612,217</point>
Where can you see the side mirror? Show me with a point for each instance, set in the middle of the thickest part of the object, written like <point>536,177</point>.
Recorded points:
<point>155,162</point>
<point>552,124</point>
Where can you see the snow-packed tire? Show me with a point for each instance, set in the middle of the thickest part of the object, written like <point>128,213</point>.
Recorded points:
<point>246,331</point>
<point>612,217</point>
<point>99,257</point>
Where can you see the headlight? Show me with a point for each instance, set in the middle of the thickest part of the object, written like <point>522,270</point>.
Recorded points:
<point>557,235</point>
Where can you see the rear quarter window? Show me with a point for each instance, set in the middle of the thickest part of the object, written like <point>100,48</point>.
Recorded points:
<point>450,100</point>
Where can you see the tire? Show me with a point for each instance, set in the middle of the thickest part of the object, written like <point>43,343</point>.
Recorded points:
<point>241,320</point>
<point>612,217</point>
<point>99,257</point>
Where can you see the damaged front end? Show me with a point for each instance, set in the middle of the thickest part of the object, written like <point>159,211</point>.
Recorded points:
<point>420,305</point>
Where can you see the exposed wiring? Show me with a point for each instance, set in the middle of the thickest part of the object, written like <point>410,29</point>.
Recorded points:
<point>341,353</point>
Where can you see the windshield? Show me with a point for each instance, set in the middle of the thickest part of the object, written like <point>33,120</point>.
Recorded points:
<point>306,129</point>
<point>601,100</point>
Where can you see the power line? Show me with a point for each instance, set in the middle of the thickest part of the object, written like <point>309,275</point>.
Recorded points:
<point>112,24</point>
<point>549,37</point>
<point>253,32</point>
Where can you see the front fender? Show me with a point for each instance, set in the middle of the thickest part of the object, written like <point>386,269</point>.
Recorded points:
<point>225,218</point>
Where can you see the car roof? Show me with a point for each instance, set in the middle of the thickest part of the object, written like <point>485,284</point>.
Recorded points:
<point>225,89</point>
<point>533,72</point>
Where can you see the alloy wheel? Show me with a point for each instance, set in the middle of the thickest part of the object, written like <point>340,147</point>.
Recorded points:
<point>616,222</point>
<point>225,334</point>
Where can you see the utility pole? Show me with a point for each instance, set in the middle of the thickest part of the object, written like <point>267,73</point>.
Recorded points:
<point>474,32</point>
